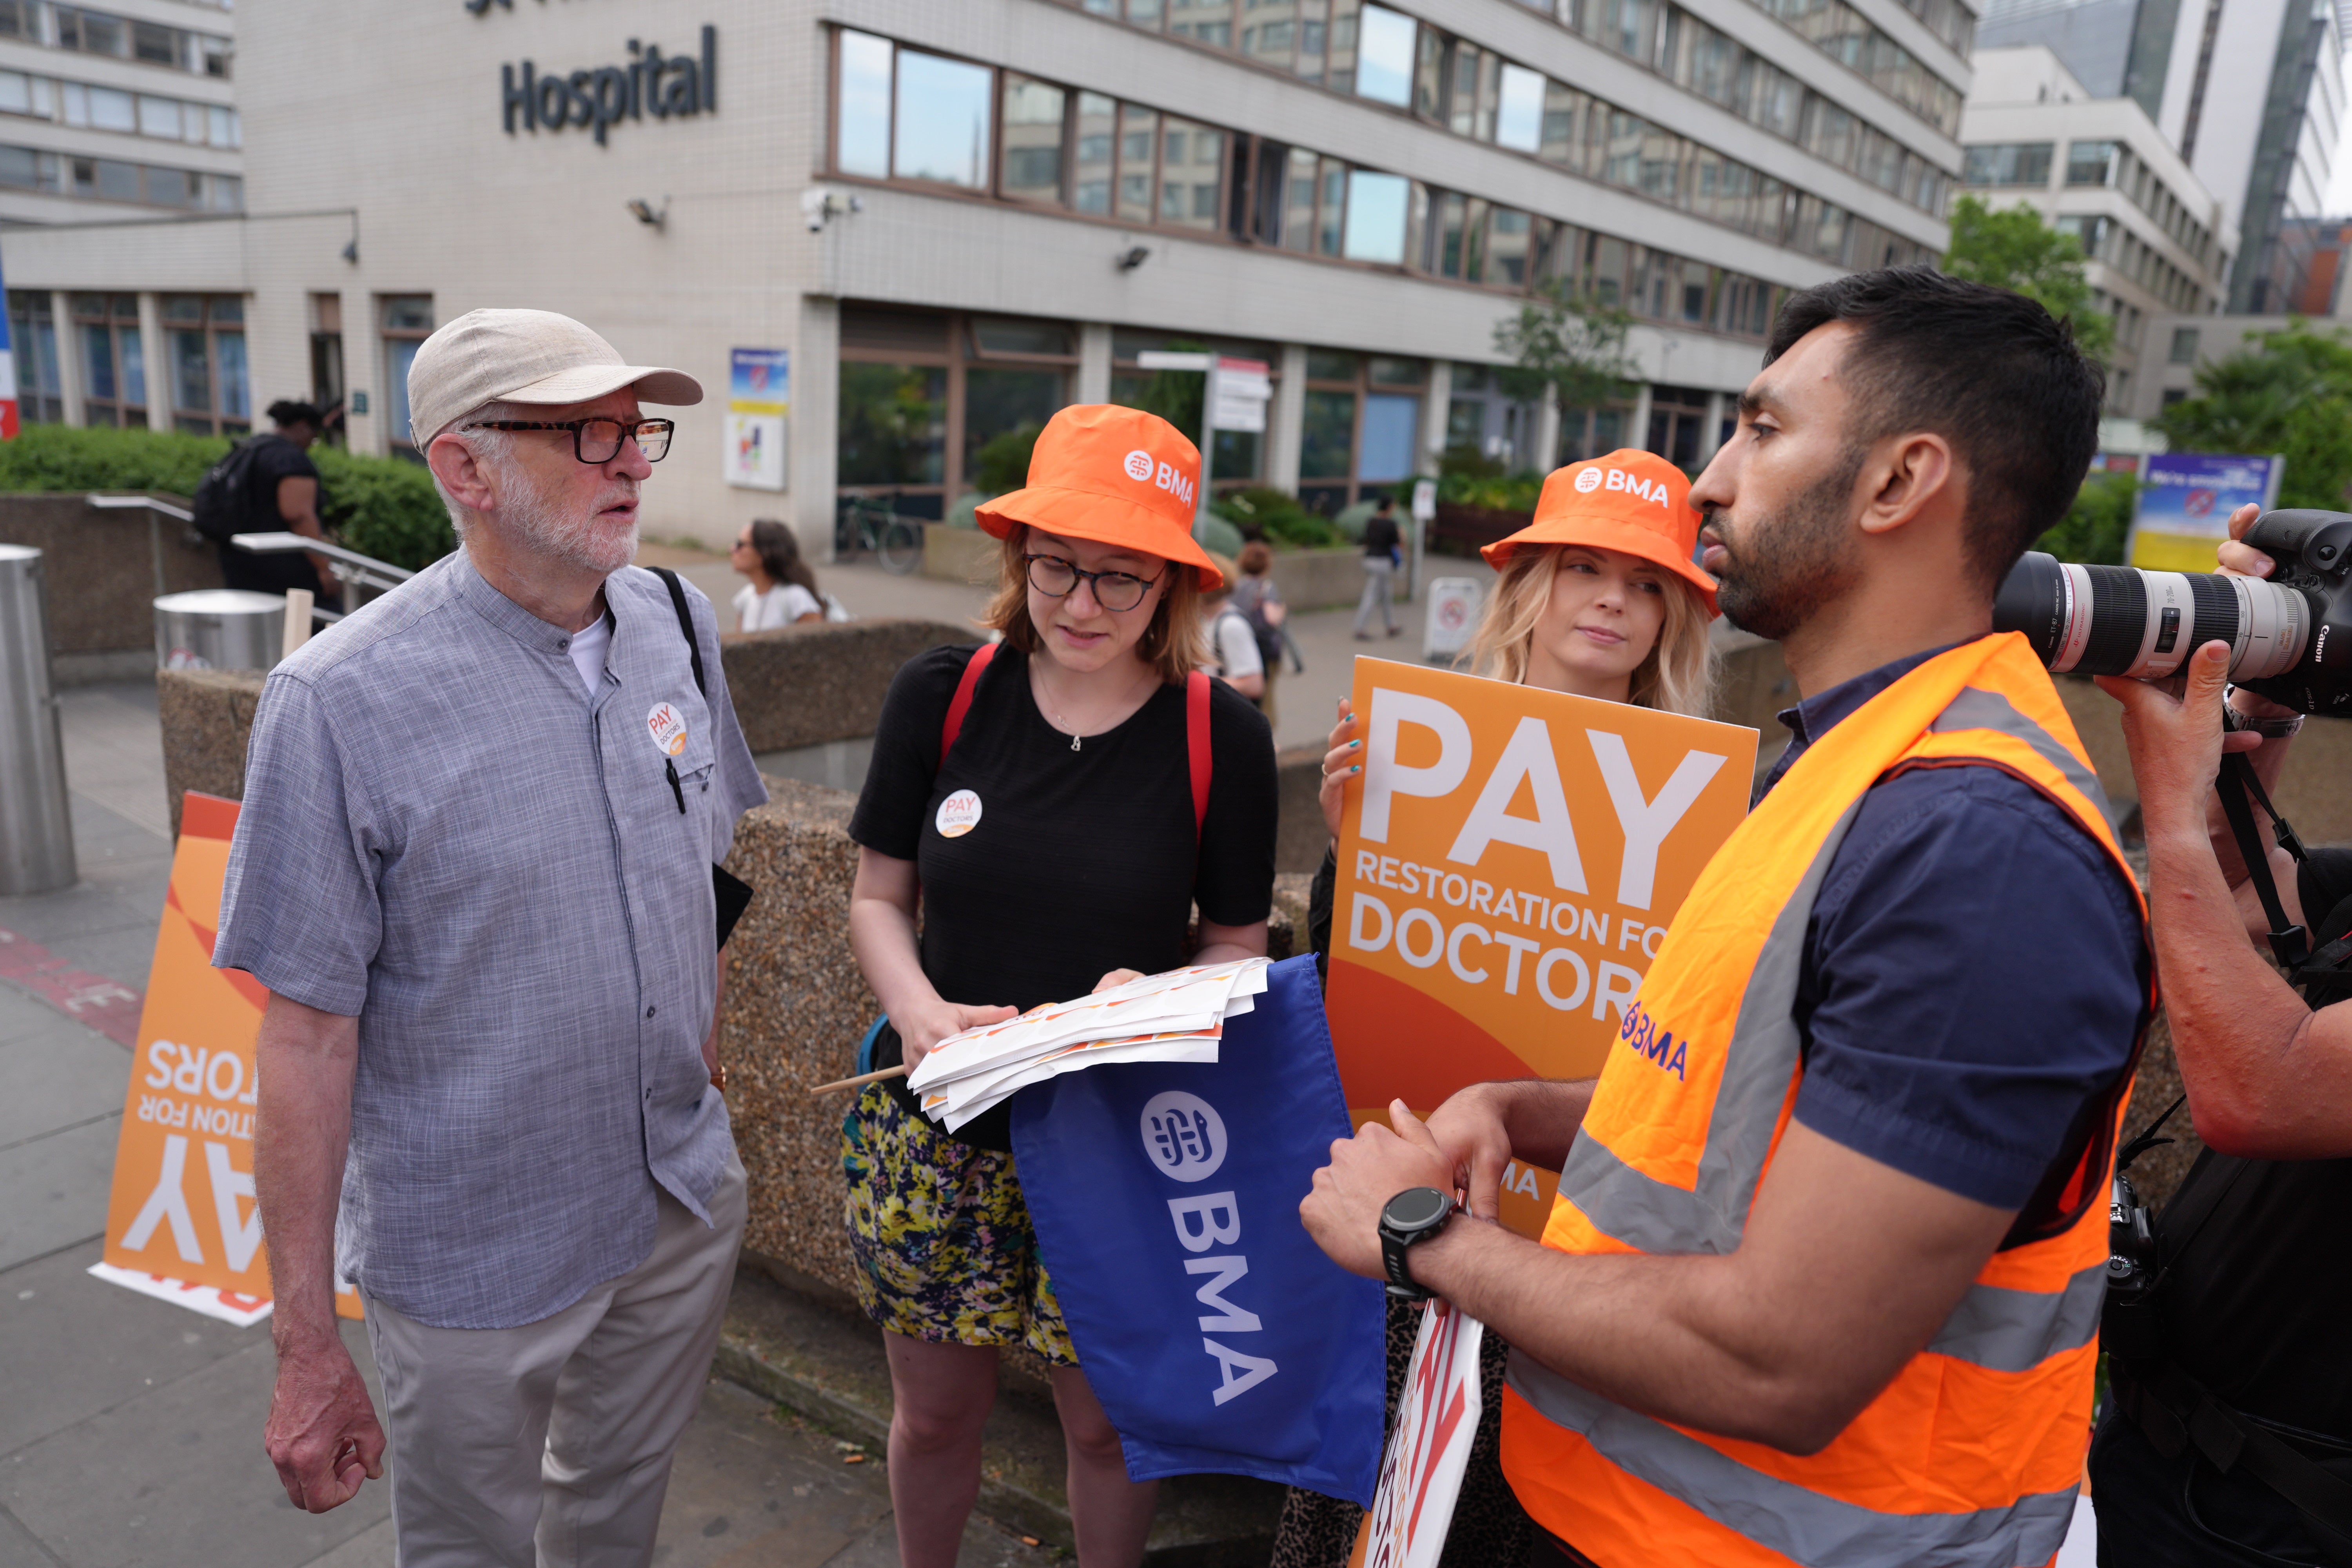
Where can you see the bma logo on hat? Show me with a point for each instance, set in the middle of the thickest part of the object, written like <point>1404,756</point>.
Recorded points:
<point>1144,469</point>
<point>1588,481</point>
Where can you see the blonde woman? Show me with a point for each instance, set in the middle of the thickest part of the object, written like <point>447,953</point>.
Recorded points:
<point>1598,598</point>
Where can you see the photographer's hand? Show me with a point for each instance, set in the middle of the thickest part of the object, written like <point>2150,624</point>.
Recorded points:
<point>2267,1078</point>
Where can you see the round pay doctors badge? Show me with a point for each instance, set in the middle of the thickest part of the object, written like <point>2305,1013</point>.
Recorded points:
<point>667,727</point>
<point>959,813</point>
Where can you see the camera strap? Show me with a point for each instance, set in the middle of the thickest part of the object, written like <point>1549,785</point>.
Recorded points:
<point>2290,941</point>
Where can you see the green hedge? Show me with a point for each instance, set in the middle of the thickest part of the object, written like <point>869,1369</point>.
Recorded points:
<point>383,507</point>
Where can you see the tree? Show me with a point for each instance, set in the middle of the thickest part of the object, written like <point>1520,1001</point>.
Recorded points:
<point>2096,526</point>
<point>2289,392</point>
<point>2011,248</point>
<point>1570,342</point>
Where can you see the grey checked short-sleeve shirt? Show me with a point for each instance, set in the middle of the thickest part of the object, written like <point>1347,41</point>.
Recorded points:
<point>446,835</point>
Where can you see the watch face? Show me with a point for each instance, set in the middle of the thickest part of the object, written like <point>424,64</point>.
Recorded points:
<point>1417,1208</point>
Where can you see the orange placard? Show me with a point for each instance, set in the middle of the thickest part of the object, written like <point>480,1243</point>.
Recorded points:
<point>183,1214</point>
<point>1507,865</point>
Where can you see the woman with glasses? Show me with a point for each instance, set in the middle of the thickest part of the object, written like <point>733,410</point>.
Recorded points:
<point>1598,598</point>
<point>1033,803</point>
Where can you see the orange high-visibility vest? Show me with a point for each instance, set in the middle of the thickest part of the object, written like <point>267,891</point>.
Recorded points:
<point>1971,1457</point>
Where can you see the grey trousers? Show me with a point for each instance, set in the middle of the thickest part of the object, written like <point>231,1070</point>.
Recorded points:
<point>1379,574</point>
<point>550,1444</point>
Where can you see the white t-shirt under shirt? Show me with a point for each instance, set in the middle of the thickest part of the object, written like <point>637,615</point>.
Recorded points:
<point>1235,645</point>
<point>588,650</point>
<point>779,606</point>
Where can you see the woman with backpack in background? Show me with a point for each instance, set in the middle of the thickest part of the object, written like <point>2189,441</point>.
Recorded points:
<point>1052,805</point>
<point>1233,655</point>
<point>1260,604</point>
<point>1597,597</point>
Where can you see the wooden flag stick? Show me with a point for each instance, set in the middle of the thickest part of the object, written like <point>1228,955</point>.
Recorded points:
<point>860,1081</point>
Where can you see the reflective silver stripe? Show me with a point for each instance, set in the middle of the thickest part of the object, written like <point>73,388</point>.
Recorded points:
<point>1976,708</point>
<point>1655,1217</point>
<point>2011,1331</point>
<point>1793,1520</point>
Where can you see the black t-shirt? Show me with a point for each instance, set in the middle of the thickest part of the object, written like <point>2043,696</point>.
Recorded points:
<point>1381,534</point>
<point>274,458</point>
<point>2254,1305</point>
<point>1081,861</point>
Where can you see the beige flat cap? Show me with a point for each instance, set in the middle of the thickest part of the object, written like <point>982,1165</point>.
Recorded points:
<point>524,356</point>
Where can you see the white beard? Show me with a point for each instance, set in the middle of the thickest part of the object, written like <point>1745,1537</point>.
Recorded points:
<point>581,542</point>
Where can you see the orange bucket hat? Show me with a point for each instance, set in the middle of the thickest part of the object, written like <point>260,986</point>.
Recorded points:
<point>1116,475</point>
<point>1633,501</point>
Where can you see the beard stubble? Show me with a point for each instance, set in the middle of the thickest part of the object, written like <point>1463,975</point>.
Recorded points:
<point>1778,576</point>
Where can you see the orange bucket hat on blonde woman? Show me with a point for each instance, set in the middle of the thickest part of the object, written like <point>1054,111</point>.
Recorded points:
<point>1633,501</point>
<point>1116,475</point>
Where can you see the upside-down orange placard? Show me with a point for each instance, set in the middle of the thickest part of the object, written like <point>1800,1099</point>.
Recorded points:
<point>182,1222</point>
<point>1508,863</point>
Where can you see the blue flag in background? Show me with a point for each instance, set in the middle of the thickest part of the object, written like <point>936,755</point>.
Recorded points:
<point>1214,1332</point>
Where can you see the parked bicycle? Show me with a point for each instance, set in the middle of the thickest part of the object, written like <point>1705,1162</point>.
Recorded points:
<point>866,523</point>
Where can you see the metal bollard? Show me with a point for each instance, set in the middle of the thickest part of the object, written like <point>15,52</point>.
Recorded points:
<point>36,852</point>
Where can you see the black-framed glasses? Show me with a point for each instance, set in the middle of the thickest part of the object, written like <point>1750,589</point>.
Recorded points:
<point>1058,579</point>
<point>598,440</point>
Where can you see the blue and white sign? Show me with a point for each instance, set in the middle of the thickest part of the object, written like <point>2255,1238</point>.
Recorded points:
<point>1214,1332</point>
<point>2185,502</point>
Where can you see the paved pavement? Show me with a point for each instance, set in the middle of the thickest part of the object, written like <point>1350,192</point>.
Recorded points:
<point>129,1428</point>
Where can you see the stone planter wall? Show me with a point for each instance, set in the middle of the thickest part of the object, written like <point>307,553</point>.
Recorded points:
<point>105,567</point>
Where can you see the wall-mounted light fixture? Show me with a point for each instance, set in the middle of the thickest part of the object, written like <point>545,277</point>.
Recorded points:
<point>643,211</point>
<point>1133,257</point>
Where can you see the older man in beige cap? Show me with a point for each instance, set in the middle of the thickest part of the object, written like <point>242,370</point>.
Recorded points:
<point>474,869</point>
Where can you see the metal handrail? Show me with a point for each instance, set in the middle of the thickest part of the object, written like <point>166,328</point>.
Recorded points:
<point>349,565</point>
<point>150,502</point>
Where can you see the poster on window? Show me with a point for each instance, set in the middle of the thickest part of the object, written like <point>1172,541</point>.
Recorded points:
<point>1507,870</point>
<point>2185,502</point>
<point>759,402</point>
<point>182,1223</point>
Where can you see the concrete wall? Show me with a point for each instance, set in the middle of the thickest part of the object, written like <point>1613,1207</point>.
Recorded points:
<point>804,685</point>
<point>106,569</point>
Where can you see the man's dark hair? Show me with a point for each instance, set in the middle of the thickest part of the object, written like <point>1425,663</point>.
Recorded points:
<point>1989,370</point>
<point>286,411</point>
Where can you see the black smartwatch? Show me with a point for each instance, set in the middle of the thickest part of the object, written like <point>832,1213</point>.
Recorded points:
<point>1415,1215</point>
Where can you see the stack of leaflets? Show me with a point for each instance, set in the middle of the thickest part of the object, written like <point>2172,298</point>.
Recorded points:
<point>1178,1017</point>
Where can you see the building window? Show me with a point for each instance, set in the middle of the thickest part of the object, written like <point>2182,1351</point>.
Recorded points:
<point>905,114</point>
<point>212,390</point>
<point>2089,162</point>
<point>2173,394</point>
<point>2184,345</point>
<point>1362,422</point>
<point>2008,164</point>
<point>1384,55</point>
<point>930,401</point>
<point>1677,425</point>
<point>114,359</point>
<point>99,32</point>
<point>327,355</point>
<point>32,333</point>
<point>405,321</point>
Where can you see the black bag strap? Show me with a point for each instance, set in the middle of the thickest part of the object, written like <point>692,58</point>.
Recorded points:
<point>2174,1410</point>
<point>685,625</point>
<point>2290,941</point>
<point>734,894</point>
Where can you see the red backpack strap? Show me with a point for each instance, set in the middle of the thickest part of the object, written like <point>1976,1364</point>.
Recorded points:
<point>961,702</point>
<point>1196,744</point>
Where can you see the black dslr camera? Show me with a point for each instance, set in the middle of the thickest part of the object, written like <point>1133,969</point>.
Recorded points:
<point>2290,634</point>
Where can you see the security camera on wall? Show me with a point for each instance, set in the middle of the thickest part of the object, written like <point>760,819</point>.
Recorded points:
<point>817,205</point>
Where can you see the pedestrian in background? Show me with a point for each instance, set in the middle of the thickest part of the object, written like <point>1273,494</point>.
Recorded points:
<point>281,494</point>
<point>1597,597</point>
<point>1036,802</point>
<point>1233,655</point>
<point>474,869</point>
<point>1380,542</point>
<point>1260,603</point>
<point>783,591</point>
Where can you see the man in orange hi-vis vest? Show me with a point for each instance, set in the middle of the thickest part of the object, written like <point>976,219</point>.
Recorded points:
<point>1822,1284</point>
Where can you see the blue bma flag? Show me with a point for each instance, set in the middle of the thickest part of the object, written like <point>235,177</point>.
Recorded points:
<point>1214,1332</point>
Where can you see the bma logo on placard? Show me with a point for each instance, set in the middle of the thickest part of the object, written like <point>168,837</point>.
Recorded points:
<point>1183,1135</point>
